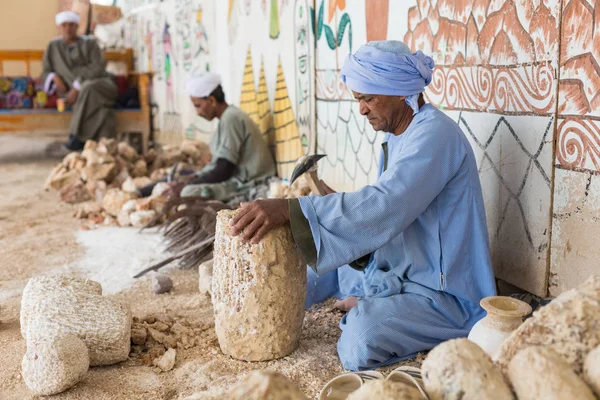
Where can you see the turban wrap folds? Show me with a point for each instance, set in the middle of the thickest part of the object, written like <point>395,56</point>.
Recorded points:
<point>388,67</point>
<point>201,84</point>
<point>66,16</point>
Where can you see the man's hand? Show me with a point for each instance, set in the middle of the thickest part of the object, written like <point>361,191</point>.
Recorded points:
<point>328,190</point>
<point>61,87</point>
<point>346,304</point>
<point>174,189</point>
<point>72,97</point>
<point>256,219</point>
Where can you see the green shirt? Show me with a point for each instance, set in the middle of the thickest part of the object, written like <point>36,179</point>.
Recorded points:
<point>238,140</point>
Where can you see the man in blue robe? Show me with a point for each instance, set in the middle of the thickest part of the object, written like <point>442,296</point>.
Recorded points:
<point>409,254</point>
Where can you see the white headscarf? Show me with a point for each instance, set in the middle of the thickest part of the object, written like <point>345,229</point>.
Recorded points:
<point>67,16</point>
<point>201,84</point>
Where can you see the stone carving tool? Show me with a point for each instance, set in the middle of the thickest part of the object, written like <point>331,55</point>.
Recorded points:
<point>308,166</point>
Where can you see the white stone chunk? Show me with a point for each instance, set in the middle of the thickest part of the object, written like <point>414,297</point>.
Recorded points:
<point>569,326</point>
<point>258,293</point>
<point>539,373</point>
<point>58,285</point>
<point>167,361</point>
<point>55,364</point>
<point>205,276</point>
<point>115,199</point>
<point>460,370</point>
<point>140,219</point>
<point>104,324</point>
<point>591,370</point>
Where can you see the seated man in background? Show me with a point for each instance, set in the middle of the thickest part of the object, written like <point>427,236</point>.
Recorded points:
<point>74,68</point>
<point>240,156</point>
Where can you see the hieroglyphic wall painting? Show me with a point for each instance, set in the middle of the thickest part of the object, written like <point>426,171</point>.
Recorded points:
<point>193,37</point>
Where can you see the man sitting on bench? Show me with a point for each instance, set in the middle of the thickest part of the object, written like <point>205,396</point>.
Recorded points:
<point>75,69</point>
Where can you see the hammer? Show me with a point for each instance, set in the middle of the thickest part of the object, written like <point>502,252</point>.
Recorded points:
<point>308,165</point>
<point>172,172</point>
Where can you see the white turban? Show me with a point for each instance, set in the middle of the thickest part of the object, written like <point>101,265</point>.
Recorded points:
<point>201,84</point>
<point>67,16</point>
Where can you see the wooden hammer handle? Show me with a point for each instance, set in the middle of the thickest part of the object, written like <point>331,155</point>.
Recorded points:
<point>314,183</point>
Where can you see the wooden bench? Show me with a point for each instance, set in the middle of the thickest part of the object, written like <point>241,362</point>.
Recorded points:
<point>50,120</point>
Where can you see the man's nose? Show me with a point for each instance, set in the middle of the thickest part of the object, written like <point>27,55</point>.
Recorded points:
<point>364,110</point>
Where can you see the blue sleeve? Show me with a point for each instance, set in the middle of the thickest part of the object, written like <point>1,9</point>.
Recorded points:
<point>347,226</point>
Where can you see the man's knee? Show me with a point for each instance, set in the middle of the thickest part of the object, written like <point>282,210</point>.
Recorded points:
<point>358,345</point>
<point>352,354</point>
<point>199,190</point>
<point>379,331</point>
<point>89,86</point>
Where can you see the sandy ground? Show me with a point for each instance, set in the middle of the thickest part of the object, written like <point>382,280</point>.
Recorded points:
<point>38,235</point>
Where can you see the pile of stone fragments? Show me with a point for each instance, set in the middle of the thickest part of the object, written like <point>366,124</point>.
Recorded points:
<point>106,176</point>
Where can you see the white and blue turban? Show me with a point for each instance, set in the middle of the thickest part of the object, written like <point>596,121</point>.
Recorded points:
<point>388,67</point>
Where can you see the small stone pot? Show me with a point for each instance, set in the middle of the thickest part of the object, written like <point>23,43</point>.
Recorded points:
<point>504,315</point>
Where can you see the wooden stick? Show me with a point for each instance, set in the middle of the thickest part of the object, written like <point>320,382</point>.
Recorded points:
<point>314,183</point>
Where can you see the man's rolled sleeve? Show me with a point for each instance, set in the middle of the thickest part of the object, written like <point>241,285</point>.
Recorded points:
<point>302,233</point>
<point>49,86</point>
<point>233,140</point>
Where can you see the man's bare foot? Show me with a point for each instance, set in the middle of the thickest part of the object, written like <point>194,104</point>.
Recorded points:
<point>346,304</point>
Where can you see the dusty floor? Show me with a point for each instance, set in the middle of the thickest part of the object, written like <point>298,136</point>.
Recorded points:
<point>38,236</point>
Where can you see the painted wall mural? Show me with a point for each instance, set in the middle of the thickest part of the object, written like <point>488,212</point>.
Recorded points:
<point>496,61</point>
<point>576,224</point>
<point>492,56</point>
<point>304,75</point>
<point>351,145</point>
<point>272,73</point>
<point>170,39</point>
<point>521,78</point>
<point>578,146</point>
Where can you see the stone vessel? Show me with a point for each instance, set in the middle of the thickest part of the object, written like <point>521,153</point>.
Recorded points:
<point>504,315</point>
<point>258,293</point>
